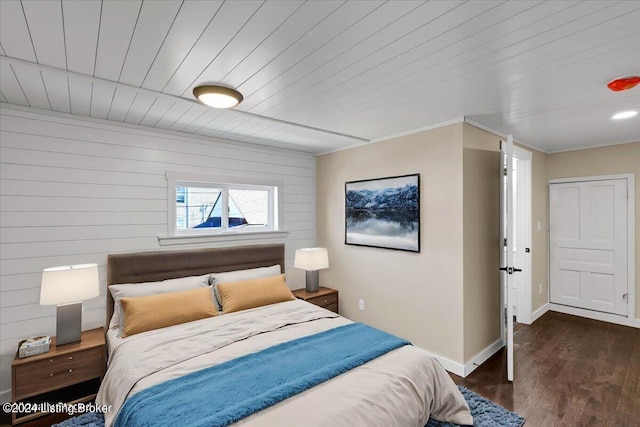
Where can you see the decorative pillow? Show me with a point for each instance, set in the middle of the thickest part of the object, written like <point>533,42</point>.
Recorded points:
<point>150,312</point>
<point>253,293</point>
<point>241,275</point>
<point>151,288</point>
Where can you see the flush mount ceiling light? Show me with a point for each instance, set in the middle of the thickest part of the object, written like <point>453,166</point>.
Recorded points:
<point>624,115</point>
<point>217,96</point>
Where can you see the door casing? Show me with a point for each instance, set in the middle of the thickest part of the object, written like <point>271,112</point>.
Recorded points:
<point>523,213</point>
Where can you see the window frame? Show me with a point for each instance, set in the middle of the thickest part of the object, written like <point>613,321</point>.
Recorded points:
<point>224,183</point>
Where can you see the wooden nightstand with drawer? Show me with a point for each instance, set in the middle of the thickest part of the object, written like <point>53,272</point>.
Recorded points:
<point>70,373</point>
<point>325,297</point>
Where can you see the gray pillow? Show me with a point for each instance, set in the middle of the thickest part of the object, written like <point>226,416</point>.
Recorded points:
<point>126,290</point>
<point>239,276</point>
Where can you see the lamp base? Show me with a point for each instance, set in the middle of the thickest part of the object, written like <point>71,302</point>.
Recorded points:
<point>313,281</point>
<point>68,323</point>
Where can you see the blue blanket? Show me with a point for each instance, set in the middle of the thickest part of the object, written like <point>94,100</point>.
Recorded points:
<point>225,393</point>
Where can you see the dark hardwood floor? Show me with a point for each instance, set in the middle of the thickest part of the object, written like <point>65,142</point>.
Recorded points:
<point>569,371</point>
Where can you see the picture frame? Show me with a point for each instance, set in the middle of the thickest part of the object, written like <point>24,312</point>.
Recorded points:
<point>383,213</point>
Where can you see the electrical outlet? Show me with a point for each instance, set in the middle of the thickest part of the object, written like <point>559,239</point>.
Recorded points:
<point>540,288</point>
<point>361,304</point>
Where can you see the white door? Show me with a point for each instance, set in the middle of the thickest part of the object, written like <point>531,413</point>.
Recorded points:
<point>506,254</point>
<point>588,254</point>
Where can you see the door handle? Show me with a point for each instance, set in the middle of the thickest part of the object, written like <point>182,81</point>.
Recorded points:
<point>510,270</point>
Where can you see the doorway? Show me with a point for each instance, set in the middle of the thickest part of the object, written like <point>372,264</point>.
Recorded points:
<point>521,287</point>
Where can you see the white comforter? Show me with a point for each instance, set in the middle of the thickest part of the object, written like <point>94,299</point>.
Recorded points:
<point>402,388</point>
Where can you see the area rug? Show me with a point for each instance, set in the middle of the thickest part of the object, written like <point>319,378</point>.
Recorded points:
<point>485,414</point>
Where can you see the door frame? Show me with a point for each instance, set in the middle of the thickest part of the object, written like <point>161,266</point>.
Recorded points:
<point>630,319</point>
<point>524,311</point>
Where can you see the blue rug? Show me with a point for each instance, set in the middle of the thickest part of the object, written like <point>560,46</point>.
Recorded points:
<point>485,414</point>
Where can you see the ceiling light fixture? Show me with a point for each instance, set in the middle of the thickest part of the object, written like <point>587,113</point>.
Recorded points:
<point>624,115</point>
<point>218,96</point>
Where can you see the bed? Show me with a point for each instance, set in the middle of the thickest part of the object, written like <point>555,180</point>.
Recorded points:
<point>288,363</point>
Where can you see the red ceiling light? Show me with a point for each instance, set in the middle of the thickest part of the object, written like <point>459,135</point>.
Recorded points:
<point>624,83</point>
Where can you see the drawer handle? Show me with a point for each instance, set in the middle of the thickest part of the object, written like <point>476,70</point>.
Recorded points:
<point>70,357</point>
<point>326,300</point>
<point>50,375</point>
<point>50,360</point>
<point>70,370</point>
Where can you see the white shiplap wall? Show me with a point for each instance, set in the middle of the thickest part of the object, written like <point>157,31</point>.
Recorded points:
<point>74,190</point>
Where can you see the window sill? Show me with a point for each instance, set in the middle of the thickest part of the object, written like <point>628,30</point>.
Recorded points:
<point>222,237</point>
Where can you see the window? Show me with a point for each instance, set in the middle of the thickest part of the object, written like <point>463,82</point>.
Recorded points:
<point>212,205</point>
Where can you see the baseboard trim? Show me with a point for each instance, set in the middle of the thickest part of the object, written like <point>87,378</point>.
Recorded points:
<point>539,312</point>
<point>482,357</point>
<point>595,315</point>
<point>463,370</point>
<point>448,364</point>
<point>5,396</point>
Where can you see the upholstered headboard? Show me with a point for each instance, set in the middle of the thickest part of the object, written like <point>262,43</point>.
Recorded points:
<point>161,265</point>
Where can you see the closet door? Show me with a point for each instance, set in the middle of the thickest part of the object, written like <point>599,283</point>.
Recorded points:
<point>588,245</point>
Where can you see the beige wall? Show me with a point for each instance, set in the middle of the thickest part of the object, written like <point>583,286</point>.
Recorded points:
<point>539,238</point>
<point>445,299</point>
<point>418,296</point>
<point>611,160</point>
<point>481,212</point>
<point>427,297</point>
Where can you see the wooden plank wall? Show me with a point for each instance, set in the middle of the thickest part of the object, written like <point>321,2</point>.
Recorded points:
<point>73,191</point>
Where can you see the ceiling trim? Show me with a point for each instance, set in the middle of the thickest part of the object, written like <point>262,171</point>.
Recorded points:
<point>479,125</point>
<point>166,96</point>
<point>300,125</point>
<point>397,135</point>
<point>503,135</point>
<point>148,131</point>
<point>420,129</point>
<point>95,79</point>
<point>611,144</point>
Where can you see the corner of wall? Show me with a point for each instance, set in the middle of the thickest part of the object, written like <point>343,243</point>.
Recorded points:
<point>481,229</point>
<point>539,235</point>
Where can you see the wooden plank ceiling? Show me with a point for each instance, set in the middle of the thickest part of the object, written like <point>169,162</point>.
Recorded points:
<point>323,75</point>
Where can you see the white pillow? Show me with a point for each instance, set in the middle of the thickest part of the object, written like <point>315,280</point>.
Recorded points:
<point>239,276</point>
<point>150,288</point>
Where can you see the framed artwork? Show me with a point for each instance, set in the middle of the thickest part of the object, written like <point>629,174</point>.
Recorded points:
<point>384,213</point>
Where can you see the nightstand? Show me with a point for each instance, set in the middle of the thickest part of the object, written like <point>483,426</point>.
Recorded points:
<point>70,373</point>
<point>325,297</point>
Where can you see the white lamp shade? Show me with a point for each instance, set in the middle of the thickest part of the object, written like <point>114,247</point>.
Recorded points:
<point>311,259</point>
<point>69,283</point>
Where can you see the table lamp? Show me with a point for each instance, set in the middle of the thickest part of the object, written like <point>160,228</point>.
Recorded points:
<point>67,287</point>
<point>311,260</point>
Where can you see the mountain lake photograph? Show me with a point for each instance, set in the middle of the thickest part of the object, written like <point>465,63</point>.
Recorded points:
<point>384,213</point>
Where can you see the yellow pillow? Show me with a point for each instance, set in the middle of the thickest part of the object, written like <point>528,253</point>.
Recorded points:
<point>236,296</point>
<point>159,311</point>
